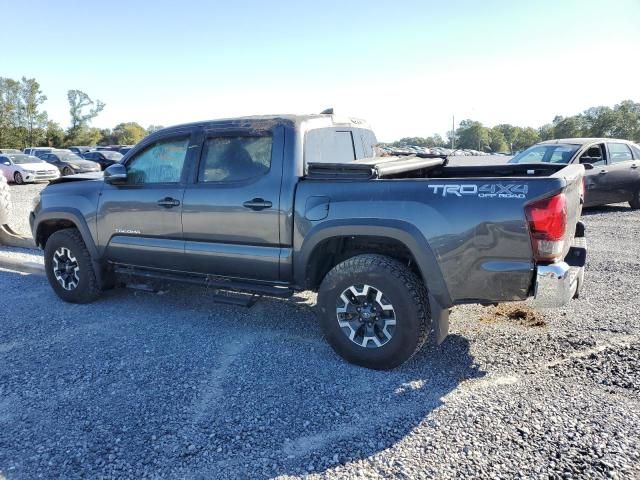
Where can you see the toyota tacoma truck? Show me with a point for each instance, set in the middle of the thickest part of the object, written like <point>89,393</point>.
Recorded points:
<point>269,205</point>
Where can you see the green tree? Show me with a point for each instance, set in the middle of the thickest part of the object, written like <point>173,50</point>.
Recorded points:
<point>525,138</point>
<point>153,128</point>
<point>33,120</point>
<point>627,121</point>
<point>473,135</point>
<point>128,133</point>
<point>497,142</point>
<point>53,135</point>
<point>546,132</point>
<point>79,102</point>
<point>567,127</point>
<point>9,113</point>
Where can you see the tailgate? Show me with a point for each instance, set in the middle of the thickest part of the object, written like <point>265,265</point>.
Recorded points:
<point>573,175</point>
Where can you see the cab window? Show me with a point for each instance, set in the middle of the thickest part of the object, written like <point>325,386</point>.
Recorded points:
<point>236,158</point>
<point>619,152</point>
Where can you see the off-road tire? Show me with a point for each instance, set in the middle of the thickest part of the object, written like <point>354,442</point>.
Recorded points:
<point>5,201</point>
<point>88,288</point>
<point>404,290</point>
<point>635,203</point>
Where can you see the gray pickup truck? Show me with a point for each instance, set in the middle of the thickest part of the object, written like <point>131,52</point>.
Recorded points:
<point>274,204</point>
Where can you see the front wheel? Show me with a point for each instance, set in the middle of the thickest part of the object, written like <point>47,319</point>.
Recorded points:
<point>374,311</point>
<point>17,177</point>
<point>67,171</point>
<point>69,267</point>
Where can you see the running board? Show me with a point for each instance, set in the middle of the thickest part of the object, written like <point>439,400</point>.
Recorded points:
<point>210,281</point>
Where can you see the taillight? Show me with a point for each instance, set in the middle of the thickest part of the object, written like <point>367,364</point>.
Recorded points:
<point>548,225</point>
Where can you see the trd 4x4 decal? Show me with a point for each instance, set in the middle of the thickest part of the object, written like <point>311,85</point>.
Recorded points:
<point>487,190</point>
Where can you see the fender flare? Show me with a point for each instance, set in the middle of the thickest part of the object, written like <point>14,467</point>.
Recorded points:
<point>72,215</point>
<point>397,230</point>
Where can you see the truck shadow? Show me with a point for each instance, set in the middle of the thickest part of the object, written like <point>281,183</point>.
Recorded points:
<point>176,383</point>
<point>606,209</point>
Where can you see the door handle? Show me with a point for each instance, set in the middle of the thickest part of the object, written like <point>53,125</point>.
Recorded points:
<point>257,204</point>
<point>168,202</point>
<point>603,171</point>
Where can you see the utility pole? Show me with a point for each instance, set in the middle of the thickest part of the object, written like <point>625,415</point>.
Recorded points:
<point>453,132</point>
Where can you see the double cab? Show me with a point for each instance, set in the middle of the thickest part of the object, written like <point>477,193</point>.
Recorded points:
<point>269,205</point>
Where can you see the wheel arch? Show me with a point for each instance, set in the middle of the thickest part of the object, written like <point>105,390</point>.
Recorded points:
<point>330,243</point>
<point>47,223</point>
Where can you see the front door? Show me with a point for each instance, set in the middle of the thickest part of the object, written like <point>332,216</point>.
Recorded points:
<point>231,211</point>
<point>139,222</point>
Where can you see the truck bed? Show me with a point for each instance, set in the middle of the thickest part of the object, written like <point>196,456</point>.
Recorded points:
<point>423,166</point>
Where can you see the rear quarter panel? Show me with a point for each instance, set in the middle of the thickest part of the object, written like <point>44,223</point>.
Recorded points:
<point>470,245</point>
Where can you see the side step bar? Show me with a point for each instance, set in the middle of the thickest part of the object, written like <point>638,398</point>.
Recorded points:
<point>210,281</point>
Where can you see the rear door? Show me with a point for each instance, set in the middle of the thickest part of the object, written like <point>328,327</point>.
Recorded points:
<point>621,178</point>
<point>596,179</point>
<point>139,222</point>
<point>231,210</point>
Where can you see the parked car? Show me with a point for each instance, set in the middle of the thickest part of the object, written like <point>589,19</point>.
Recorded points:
<point>80,150</point>
<point>105,158</point>
<point>613,166</point>
<point>69,163</point>
<point>271,205</point>
<point>37,151</point>
<point>21,168</point>
<point>9,150</point>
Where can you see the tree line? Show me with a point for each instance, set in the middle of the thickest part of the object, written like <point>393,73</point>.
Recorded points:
<point>24,123</point>
<point>620,121</point>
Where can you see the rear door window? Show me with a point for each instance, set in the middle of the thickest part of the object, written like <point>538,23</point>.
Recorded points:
<point>619,152</point>
<point>235,158</point>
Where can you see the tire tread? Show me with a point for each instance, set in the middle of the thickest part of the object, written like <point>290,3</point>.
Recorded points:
<point>413,284</point>
<point>71,236</point>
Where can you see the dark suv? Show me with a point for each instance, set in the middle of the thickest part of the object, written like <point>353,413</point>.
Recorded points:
<point>105,158</point>
<point>69,163</point>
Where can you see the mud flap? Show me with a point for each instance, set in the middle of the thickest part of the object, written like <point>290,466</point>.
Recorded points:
<point>439,320</point>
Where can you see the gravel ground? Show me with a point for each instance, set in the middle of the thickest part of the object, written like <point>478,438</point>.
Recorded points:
<point>176,386</point>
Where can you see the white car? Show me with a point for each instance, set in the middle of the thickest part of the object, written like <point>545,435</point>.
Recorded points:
<point>21,168</point>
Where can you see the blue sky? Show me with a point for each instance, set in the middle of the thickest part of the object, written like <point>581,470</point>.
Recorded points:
<point>406,66</point>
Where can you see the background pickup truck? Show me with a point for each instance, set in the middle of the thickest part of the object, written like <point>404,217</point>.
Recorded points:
<point>270,205</point>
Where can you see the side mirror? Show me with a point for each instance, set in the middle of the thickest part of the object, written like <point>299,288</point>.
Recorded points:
<point>116,173</point>
<point>7,163</point>
<point>587,166</point>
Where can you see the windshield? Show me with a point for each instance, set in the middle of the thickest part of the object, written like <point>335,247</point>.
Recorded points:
<point>20,159</point>
<point>547,153</point>
<point>112,155</point>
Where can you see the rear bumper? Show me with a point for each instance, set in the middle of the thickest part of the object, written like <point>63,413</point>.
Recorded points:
<point>559,282</point>
<point>556,284</point>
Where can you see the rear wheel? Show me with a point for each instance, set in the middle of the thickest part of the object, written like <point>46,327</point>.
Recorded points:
<point>17,177</point>
<point>69,267</point>
<point>67,171</point>
<point>635,202</point>
<point>374,311</point>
